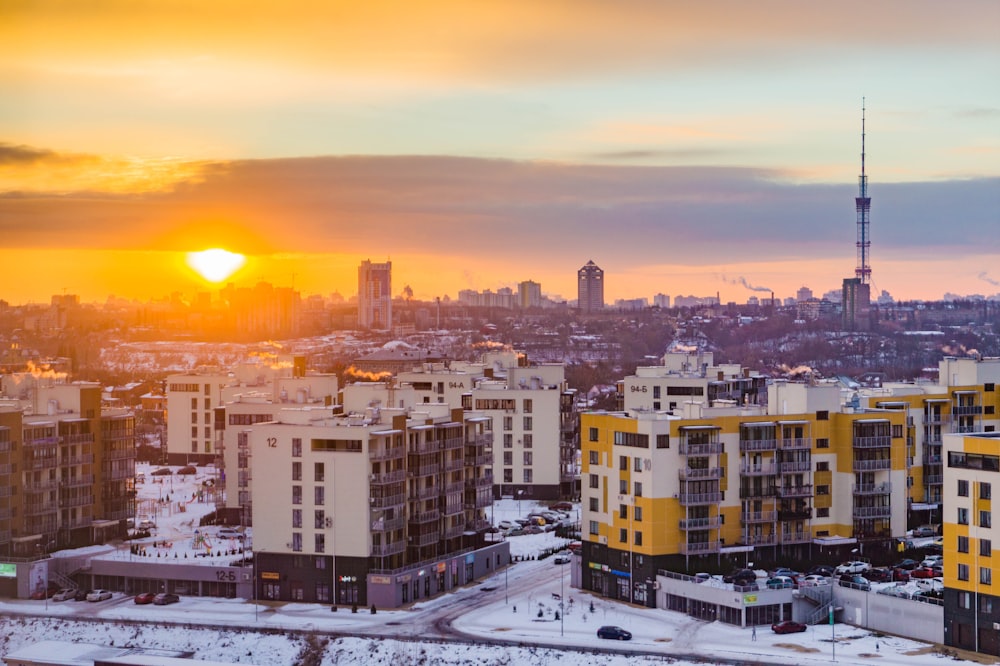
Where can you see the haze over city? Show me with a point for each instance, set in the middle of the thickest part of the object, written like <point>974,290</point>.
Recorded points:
<point>686,148</point>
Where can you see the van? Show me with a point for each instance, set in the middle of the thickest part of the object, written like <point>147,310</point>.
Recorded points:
<point>229,533</point>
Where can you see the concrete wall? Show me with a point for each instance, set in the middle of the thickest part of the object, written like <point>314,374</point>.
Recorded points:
<point>893,615</point>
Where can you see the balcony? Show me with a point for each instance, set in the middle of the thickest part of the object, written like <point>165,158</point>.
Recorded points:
<point>47,462</point>
<point>872,489</point>
<point>804,514</point>
<point>689,473</point>
<point>85,459</point>
<point>425,492</point>
<point>967,410</point>
<point>690,499</point>
<point>871,465</point>
<point>425,539</point>
<point>82,500</point>
<point>453,487</point>
<point>475,461</point>
<point>700,548</point>
<point>424,517</point>
<point>388,524</point>
<point>479,482</point>
<point>874,442</point>
<point>39,486</point>
<point>452,509</point>
<point>79,438</point>
<point>382,478</point>
<point>423,470</point>
<point>388,500</point>
<point>39,441</point>
<point>759,470</point>
<point>118,454</point>
<point>794,537</point>
<point>119,474</point>
<point>932,458</point>
<point>453,531</point>
<point>40,508</point>
<point>934,479</point>
<point>385,550</point>
<point>795,466</point>
<point>758,491</point>
<point>453,464</point>
<point>700,523</point>
<point>426,446</point>
<point>761,540</point>
<point>387,454</point>
<point>804,490</point>
<point>871,512</point>
<point>758,444</point>
<point>758,517</point>
<point>77,481</point>
<point>702,449</point>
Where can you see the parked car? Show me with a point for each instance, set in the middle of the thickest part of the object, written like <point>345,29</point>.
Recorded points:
<point>740,576</point>
<point>505,525</point>
<point>562,506</point>
<point>852,567</point>
<point>856,581</point>
<point>229,533</point>
<point>932,561</point>
<point>65,594</point>
<point>923,531</point>
<point>99,595</point>
<point>936,546</point>
<point>45,592</point>
<point>788,627</point>
<point>821,570</point>
<point>561,558</point>
<point>906,564</point>
<point>813,580</point>
<point>164,598</point>
<point>922,572</point>
<point>780,583</point>
<point>81,595</point>
<point>785,571</point>
<point>900,575</point>
<point>931,585</point>
<point>575,546</point>
<point>878,575</point>
<point>615,633</point>
<point>144,598</point>
<point>702,577</point>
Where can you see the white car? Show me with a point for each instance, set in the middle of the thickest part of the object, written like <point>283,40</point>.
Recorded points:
<point>65,594</point>
<point>813,580</point>
<point>853,567</point>
<point>229,533</point>
<point>99,595</point>
<point>931,584</point>
<point>561,558</point>
<point>505,525</point>
<point>932,561</point>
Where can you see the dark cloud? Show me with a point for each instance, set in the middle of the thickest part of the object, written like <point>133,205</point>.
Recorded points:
<point>11,154</point>
<point>658,154</point>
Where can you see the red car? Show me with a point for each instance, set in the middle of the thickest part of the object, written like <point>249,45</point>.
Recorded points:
<point>922,572</point>
<point>788,627</point>
<point>144,598</point>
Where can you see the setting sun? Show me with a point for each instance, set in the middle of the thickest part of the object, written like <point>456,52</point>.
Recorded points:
<point>215,265</point>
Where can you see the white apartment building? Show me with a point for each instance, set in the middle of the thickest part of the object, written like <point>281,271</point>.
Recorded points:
<point>377,508</point>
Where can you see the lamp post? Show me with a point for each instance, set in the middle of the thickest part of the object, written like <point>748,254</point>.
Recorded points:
<point>519,493</point>
<point>562,607</point>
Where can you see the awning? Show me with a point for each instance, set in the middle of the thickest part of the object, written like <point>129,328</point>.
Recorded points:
<point>834,541</point>
<point>923,506</point>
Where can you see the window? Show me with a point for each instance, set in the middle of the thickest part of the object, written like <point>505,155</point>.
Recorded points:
<point>527,458</point>
<point>595,527</point>
<point>527,406</point>
<point>528,476</point>
<point>208,389</point>
<point>823,513</point>
<point>656,392</point>
<point>897,430</point>
<point>985,575</point>
<point>989,387</point>
<point>508,457</point>
<point>823,466</point>
<point>593,435</point>
<point>296,471</point>
<point>623,511</point>
<point>527,423</point>
<point>965,600</point>
<point>594,504</point>
<point>320,542</point>
<point>297,542</point>
<point>638,489</point>
<point>963,488</point>
<point>508,475</point>
<point>319,470</point>
<point>984,490</point>
<point>963,544</point>
<point>528,440</point>
<point>963,516</point>
<point>319,495</point>
<point>323,592</point>
<point>622,487</point>
<point>319,518</point>
<point>663,441</point>
<point>985,518</point>
<point>594,457</point>
<point>823,490</point>
<point>320,563</point>
<point>194,403</point>
<point>296,518</point>
<point>985,603</point>
<point>296,494</point>
<point>623,463</point>
<point>637,514</point>
<point>508,423</point>
<point>985,547</point>
<point>508,440</point>
<point>822,443</point>
<point>823,415</point>
<point>296,447</point>
<point>208,432</point>
<point>636,464</point>
<point>638,538</point>
<point>594,481</point>
<point>963,572</point>
<point>194,434</point>
<point>623,535</point>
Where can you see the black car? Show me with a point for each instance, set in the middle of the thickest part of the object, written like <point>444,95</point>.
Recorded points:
<point>615,633</point>
<point>857,581</point>
<point>878,575</point>
<point>821,570</point>
<point>164,598</point>
<point>740,577</point>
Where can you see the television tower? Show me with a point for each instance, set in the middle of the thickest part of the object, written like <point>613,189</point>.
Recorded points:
<point>863,204</point>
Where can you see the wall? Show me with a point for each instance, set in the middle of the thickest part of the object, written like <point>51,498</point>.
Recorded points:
<point>892,615</point>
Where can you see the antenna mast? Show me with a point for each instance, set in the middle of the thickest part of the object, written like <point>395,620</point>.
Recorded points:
<point>863,205</point>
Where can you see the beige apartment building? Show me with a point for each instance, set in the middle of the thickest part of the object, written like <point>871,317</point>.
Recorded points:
<point>382,507</point>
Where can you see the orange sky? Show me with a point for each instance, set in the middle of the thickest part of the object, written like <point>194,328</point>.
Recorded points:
<point>686,148</point>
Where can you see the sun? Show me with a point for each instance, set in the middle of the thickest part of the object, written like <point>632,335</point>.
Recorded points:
<point>215,265</point>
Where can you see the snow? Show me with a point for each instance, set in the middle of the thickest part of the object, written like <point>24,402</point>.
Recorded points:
<point>245,632</point>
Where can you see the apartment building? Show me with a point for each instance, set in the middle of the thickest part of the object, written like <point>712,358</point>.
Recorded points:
<point>66,464</point>
<point>191,401</point>
<point>383,507</point>
<point>661,490</point>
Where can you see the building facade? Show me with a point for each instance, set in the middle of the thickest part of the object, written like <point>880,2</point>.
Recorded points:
<point>590,288</point>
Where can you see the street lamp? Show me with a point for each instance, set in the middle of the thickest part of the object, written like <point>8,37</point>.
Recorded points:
<point>519,493</point>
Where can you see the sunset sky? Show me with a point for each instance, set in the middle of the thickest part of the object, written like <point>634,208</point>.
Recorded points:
<point>685,147</point>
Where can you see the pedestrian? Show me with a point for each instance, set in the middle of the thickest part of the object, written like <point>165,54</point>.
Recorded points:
<point>753,633</point>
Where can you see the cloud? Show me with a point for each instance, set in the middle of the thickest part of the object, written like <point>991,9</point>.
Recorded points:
<point>986,278</point>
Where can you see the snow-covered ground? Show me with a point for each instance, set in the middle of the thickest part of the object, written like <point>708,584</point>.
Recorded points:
<point>526,615</point>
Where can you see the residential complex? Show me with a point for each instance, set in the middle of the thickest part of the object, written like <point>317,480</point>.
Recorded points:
<point>375,295</point>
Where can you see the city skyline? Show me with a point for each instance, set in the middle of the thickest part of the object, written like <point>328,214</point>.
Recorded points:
<point>679,147</point>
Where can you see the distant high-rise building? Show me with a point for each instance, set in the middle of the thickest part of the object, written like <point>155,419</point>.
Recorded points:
<point>375,295</point>
<point>529,294</point>
<point>803,294</point>
<point>590,288</point>
<point>661,301</point>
